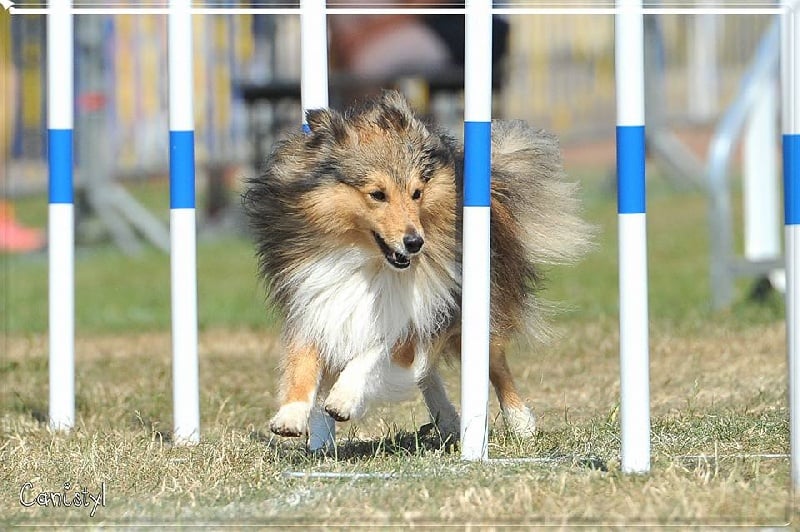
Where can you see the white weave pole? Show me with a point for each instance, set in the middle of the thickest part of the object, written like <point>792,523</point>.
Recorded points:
<point>183,252</point>
<point>314,95</point>
<point>313,56</point>
<point>61,216</point>
<point>790,99</point>
<point>761,192</point>
<point>633,309</point>
<point>475,287</point>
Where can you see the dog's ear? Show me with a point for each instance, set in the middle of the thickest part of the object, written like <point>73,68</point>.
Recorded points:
<point>327,121</point>
<point>394,111</point>
<point>318,119</point>
<point>393,98</point>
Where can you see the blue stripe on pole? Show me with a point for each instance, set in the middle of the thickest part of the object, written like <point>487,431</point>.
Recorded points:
<point>59,157</point>
<point>181,169</point>
<point>477,163</point>
<point>791,178</point>
<point>630,170</point>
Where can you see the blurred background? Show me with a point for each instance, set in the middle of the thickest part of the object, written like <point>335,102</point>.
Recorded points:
<point>555,71</point>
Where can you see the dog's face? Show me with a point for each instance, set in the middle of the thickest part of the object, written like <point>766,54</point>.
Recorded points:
<point>385,180</point>
<point>390,210</point>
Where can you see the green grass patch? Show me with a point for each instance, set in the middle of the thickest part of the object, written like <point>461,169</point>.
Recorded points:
<point>117,293</point>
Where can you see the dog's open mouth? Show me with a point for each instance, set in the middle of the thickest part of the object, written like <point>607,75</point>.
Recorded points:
<point>395,258</point>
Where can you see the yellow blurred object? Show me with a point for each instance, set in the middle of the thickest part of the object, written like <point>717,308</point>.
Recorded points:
<point>14,237</point>
<point>7,81</point>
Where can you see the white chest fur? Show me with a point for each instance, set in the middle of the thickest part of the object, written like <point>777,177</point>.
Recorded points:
<point>349,302</point>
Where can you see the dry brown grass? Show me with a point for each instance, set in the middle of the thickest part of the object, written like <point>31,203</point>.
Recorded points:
<point>718,385</point>
<point>718,395</point>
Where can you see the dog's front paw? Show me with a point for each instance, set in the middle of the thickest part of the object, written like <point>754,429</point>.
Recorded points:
<point>448,429</point>
<point>520,421</point>
<point>344,406</point>
<point>291,419</point>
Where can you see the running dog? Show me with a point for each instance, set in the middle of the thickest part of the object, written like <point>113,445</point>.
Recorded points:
<point>357,227</point>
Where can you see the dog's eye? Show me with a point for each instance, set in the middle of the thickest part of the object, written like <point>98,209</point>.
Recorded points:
<point>378,195</point>
<point>416,195</point>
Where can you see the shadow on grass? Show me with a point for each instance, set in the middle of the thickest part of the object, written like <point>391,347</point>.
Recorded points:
<point>404,443</point>
<point>400,443</point>
<point>35,409</point>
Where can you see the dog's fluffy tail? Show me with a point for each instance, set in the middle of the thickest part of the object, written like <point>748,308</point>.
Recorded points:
<point>529,179</point>
<point>542,225</point>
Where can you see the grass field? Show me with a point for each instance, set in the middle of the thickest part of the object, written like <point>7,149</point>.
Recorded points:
<point>718,383</point>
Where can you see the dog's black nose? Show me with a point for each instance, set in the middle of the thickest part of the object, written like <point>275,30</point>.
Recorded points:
<point>413,243</point>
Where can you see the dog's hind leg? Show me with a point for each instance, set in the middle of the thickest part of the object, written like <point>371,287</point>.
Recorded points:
<point>518,417</point>
<point>443,413</point>
<point>298,390</point>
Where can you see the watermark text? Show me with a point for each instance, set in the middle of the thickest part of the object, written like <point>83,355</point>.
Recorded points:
<point>68,497</point>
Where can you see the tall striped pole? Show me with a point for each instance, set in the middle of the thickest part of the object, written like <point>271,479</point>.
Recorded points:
<point>475,287</point>
<point>314,95</point>
<point>790,98</point>
<point>634,354</point>
<point>183,260</point>
<point>61,215</point>
<point>313,56</point>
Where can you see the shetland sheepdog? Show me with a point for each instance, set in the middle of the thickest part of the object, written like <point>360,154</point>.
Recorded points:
<point>357,227</point>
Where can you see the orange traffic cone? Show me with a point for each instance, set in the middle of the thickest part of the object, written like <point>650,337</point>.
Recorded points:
<point>16,238</point>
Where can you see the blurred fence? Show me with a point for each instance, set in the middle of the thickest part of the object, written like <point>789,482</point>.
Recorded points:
<point>559,76</point>
<point>227,48</point>
<point>561,68</point>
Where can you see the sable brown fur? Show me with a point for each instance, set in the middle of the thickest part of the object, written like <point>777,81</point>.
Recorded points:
<point>339,212</point>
